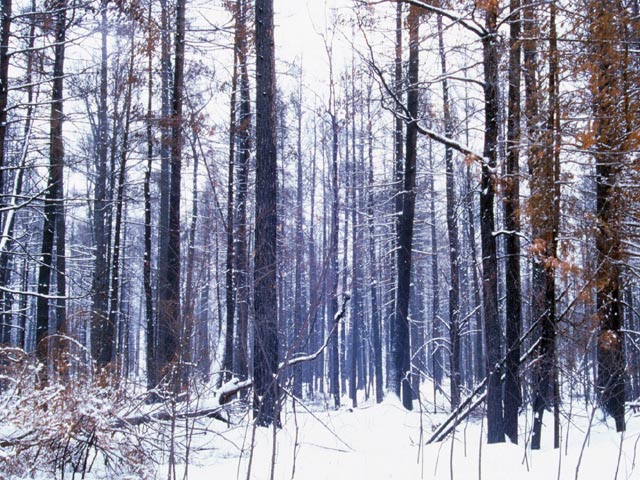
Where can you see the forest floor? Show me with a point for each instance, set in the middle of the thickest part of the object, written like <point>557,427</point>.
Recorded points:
<point>316,442</point>
<point>386,442</point>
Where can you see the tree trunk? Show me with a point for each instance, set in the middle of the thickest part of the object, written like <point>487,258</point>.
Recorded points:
<point>493,334</point>
<point>114,304</point>
<point>5,34</point>
<point>606,29</point>
<point>54,193</point>
<point>101,351</point>
<point>164,189</point>
<point>150,334</point>
<point>437,365</point>
<point>452,230</point>
<point>298,301</point>
<point>512,397</point>
<point>243,135</point>
<point>373,264</point>
<point>227,359</point>
<point>544,232</point>
<point>169,321</point>
<point>401,384</point>
<point>265,361</point>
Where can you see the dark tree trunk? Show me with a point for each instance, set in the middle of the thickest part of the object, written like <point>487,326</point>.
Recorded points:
<point>150,323</point>
<point>243,135</point>
<point>298,301</point>
<point>227,359</point>
<point>608,88</point>
<point>398,172</point>
<point>114,304</point>
<point>332,257</point>
<point>452,230</point>
<point>373,265</point>
<point>493,334</point>
<point>190,294</point>
<point>164,188</point>
<point>204,346</point>
<point>54,193</point>
<point>356,286</point>
<point>169,319</point>
<point>512,397</point>
<point>9,222</point>
<point>316,327</point>
<point>332,253</point>
<point>544,233</point>
<point>470,232</point>
<point>5,34</point>
<point>101,352</point>
<point>345,248</point>
<point>436,330</point>
<point>265,361</point>
<point>401,383</point>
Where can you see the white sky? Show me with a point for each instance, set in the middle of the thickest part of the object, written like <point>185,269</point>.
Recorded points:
<point>300,25</point>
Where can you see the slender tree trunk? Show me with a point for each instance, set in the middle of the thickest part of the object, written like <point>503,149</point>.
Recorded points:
<point>298,301</point>
<point>114,306</point>
<point>227,359</point>
<point>100,314</point>
<point>54,193</point>
<point>401,382</point>
<point>452,229</point>
<point>316,292</point>
<point>332,252</point>
<point>542,170</point>
<point>150,334</point>
<point>8,225</point>
<point>332,256</point>
<point>190,294</point>
<point>356,286</point>
<point>164,188</point>
<point>243,134</point>
<point>398,172</point>
<point>373,263</point>
<point>5,35</point>
<point>436,335</point>
<point>170,322</point>
<point>265,361</point>
<point>512,396</point>
<point>493,334</point>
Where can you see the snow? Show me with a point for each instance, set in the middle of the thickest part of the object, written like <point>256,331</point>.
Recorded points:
<point>384,441</point>
<point>373,442</point>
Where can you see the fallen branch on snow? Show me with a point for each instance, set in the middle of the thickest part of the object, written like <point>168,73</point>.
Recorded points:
<point>229,389</point>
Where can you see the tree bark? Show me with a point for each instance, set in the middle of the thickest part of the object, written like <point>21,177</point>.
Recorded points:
<point>401,384</point>
<point>493,334</point>
<point>54,193</point>
<point>265,361</point>
<point>150,324</point>
<point>230,294</point>
<point>114,304</point>
<point>373,263</point>
<point>452,230</point>
<point>5,35</point>
<point>512,396</point>
<point>101,351</point>
<point>243,135</point>
<point>170,323</point>
<point>605,29</point>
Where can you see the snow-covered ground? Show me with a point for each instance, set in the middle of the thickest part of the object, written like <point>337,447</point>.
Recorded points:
<point>372,442</point>
<point>386,442</point>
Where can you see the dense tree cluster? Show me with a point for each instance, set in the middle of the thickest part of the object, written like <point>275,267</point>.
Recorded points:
<point>179,205</point>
